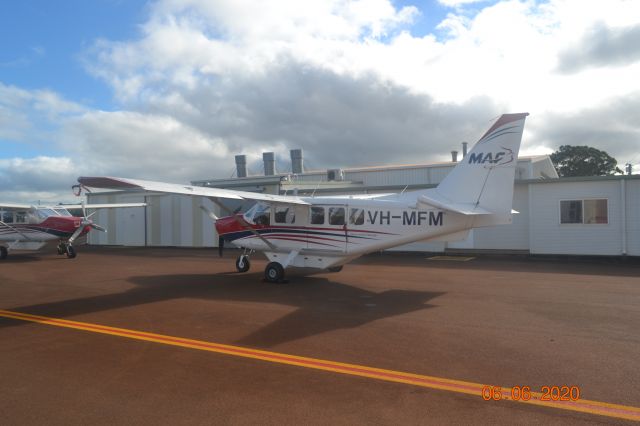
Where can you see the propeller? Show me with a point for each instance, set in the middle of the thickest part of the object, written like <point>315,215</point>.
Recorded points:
<point>84,222</point>
<point>215,219</point>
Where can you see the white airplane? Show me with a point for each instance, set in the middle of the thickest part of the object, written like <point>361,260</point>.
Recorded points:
<point>28,228</point>
<point>327,232</point>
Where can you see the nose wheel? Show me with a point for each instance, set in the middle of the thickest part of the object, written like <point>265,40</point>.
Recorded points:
<point>242,263</point>
<point>66,248</point>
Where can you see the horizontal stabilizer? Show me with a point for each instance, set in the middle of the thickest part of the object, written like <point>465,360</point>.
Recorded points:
<point>435,200</point>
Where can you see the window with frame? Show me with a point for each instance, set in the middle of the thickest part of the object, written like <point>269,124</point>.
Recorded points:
<point>284,214</point>
<point>356,216</point>
<point>6,217</point>
<point>317,215</point>
<point>336,216</point>
<point>584,211</point>
<point>262,215</point>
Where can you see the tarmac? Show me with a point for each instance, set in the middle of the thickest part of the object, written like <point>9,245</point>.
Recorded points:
<point>176,336</point>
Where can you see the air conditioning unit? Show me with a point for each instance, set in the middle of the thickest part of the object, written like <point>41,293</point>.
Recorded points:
<point>335,174</point>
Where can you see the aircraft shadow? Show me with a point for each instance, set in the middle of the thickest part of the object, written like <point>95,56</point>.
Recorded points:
<point>322,305</point>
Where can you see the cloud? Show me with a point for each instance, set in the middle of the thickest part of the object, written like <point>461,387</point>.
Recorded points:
<point>344,80</point>
<point>612,127</point>
<point>602,46</point>
<point>47,179</point>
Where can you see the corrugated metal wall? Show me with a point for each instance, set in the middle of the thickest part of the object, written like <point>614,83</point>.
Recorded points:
<point>168,220</point>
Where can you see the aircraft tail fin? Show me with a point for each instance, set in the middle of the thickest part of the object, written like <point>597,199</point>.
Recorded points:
<point>482,183</point>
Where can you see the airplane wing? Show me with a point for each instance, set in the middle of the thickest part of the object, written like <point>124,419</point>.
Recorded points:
<point>101,206</point>
<point>171,188</point>
<point>12,206</point>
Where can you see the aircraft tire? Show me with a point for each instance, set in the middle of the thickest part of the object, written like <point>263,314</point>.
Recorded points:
<point>335,269</point>
<point>61,249</point>
<point>3,252</point>
<point>242,263</point>
<point>274,272</point>
<point>71,252</point>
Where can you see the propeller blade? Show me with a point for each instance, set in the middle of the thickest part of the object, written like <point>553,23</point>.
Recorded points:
<point>209,213</point>
<point>97,227</point>
<point>220,246</point>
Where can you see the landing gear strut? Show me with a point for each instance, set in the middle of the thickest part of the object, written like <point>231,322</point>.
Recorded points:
<point>242,263</point>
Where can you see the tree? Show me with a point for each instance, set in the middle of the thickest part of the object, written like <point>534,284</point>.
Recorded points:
<point>583,161</point>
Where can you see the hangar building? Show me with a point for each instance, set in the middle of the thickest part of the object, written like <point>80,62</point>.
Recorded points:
<point>571,216</point>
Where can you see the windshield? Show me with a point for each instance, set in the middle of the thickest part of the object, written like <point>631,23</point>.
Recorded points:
<point>62,211</point>
<point>259,214</point>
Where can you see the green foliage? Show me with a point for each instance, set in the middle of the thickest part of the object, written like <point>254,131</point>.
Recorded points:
<point>583,161</point>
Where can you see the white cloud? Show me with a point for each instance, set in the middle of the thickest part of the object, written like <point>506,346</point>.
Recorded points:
<point>344,80</point>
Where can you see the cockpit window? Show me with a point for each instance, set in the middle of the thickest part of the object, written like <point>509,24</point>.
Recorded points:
<point>260,214</point>
<point>45,213</point>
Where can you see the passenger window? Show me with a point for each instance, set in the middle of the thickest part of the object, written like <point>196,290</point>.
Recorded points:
<point>356,217</point>
<point>336,215</point>
<point>317,215</point>
<point>7,217</point>
<point>285,215</point>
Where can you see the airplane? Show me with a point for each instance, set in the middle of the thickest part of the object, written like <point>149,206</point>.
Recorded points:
<point>28,228</point>
<point>328,232</point>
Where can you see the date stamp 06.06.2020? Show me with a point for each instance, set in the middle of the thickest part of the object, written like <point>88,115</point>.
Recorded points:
<point>524,393</point>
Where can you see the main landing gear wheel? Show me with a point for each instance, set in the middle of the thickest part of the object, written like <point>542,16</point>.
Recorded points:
<point>3,252</point>
<point>335,269</point>
<point>61,249</point>
<point>242,263</point>
<point>71,252</point>
<point>274,272</point>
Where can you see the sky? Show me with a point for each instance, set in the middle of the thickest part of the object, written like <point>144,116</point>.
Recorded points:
<point>171,90</point>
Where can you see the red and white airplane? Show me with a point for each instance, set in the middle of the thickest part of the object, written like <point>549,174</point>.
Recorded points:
<point>327,232</point>
<point>28,228</point>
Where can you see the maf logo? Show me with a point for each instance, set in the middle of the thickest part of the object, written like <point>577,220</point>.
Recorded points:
<point>491,158</point>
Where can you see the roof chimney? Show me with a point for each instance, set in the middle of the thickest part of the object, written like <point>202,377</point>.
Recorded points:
<point>464,149</point>
<point>296,161</point>
<point>269,159</point>
<point>454,156</point>
<point>241,166</point>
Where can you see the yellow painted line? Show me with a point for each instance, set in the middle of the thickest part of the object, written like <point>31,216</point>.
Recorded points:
<point>581,405</point>
<point>453,258</point>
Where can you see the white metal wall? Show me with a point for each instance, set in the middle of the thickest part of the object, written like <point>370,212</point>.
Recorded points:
<point>631,189</point>
<point>548,236</point>
<point>508,237</point>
